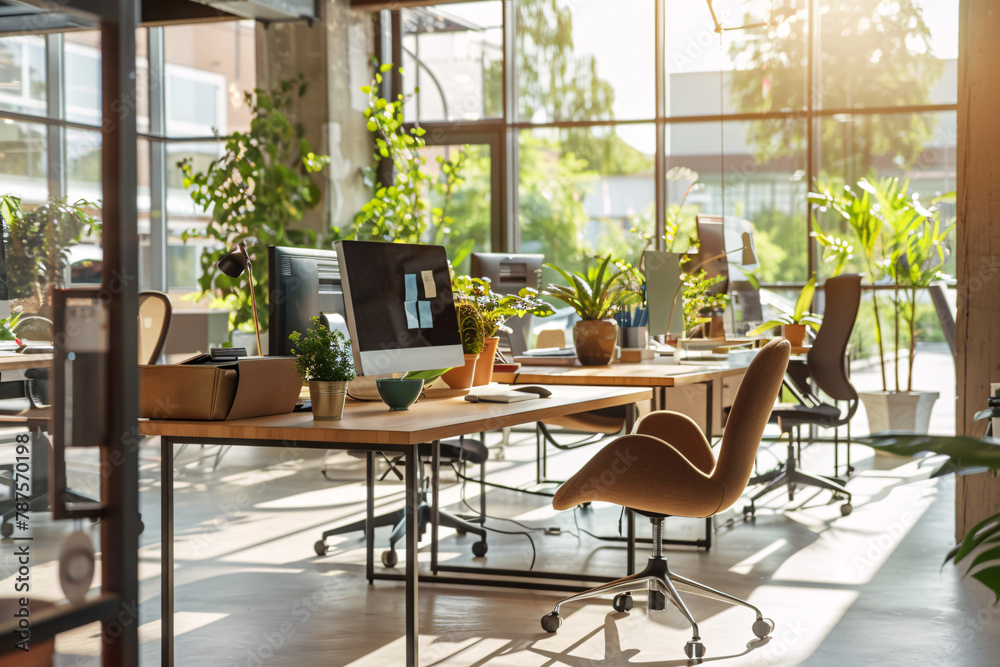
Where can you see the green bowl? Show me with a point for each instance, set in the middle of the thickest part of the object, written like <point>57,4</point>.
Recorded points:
<point>399,393</point>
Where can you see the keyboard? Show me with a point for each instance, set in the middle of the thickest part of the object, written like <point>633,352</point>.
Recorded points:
<point>500,397</point>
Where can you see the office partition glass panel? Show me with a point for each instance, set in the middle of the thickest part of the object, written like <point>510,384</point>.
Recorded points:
<point>454,55</point>
<point>463,205</point>
<point>22,74</point>
<point>209,66</point>
<point>582,192</point>
<point>182,214</point>
<point>757,64</point>
<point>569,69</point>
<point>877,54</point>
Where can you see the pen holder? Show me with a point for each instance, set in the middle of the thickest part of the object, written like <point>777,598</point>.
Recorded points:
<point>634,337</point>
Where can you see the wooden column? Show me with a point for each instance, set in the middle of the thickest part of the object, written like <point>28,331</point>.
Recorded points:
<point>978,248</point>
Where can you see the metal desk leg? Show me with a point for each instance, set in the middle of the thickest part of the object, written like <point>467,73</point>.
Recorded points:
<point>166,552</point>
<point>435,487</point>
<point>631,542</point>
<point>412,545</point>
<point>370,517</point>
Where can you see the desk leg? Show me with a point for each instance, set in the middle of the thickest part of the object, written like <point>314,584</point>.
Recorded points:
<point>631,542</point>
<point>435,487</point>
<point>370,517</point>
<point>412,546</point>
<point>166,552</point>
<point>709,410</point>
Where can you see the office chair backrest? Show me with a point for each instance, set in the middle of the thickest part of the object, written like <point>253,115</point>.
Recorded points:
<point>827,361</point>
<point>945,315</point>
<point>748,417</point>
<point>154,321</point>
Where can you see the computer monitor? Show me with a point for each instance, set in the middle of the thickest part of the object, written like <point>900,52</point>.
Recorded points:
<point>304,283</point>
<point>712,242</point>
<point>509,274</point>
<point>399,305</point>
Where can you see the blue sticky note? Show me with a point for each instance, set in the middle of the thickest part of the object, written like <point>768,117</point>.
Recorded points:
<point>426,320</point>
<point>411,287</point>
<point>412,315</point>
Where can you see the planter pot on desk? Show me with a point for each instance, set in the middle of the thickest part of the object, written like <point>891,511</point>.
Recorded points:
<point>327,400</point>
<point>595,341</point>
<point>461,377</point>
<point>908,411</point>
<point>484,365</point>
<point>794,334</point>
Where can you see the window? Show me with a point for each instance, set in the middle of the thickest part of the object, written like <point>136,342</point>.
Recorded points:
<point>22,74</point>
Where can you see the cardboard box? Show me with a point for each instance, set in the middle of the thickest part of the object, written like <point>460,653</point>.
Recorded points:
<point>252,387</point>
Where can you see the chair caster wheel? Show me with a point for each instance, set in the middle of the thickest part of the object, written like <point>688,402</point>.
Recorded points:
<point>622,603</point>
<point>846,509</point>
<point>762,627</point>
<point>479,549</point>
<point>551,622</point>
<point>657,601</point>
<point>320,548</point>
<point>7,529</point>
<point>389,558</point>
<point>694,649</point>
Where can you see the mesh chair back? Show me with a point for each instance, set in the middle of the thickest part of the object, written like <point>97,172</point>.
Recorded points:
<point>154,320</point>
<point>748,418</point>
<point>827,360</point>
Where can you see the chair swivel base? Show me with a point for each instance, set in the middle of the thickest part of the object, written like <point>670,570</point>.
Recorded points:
<point>792,477</point>
<point>658,581</point>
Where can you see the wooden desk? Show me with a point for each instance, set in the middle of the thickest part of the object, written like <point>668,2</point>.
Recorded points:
<point>370,427</point>
<point>15,361</point>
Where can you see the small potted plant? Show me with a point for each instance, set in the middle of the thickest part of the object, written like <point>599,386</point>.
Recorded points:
<point>594,296</point>
<point>473,332</point>
<point>495,309</point>
<point>793,325</point>
<point>325,361</point>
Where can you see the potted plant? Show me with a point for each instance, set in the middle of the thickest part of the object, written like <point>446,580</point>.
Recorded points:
<point>901,243</point>
<point>326,362</point>
<point>471,327</point>
<point>793,325</point>
<point>495,310</point>
<point>595,296</point>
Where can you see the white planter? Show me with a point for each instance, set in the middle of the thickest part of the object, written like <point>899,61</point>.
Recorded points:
<point>908,411</point>
<point>248,340</point>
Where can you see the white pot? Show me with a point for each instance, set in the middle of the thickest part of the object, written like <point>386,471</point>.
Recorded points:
<point>908,411</point>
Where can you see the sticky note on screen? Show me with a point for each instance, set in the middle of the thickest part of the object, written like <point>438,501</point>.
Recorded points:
<point>430,289</point>
<point>426,319</point>
<point>410,280</point>
<point>412,315</point>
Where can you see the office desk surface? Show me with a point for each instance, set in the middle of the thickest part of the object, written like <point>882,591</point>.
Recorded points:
<point>425,421</point>
<point>655,373</point>
<point>14,361</point>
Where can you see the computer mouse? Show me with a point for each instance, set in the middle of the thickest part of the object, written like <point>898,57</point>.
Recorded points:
<point>541,392</point>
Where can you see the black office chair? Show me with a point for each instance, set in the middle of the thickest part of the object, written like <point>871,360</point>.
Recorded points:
<point>828,373</point>
<point>456,453</point>
<point>945,316</point>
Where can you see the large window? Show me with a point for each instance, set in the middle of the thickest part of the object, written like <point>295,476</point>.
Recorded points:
<point>741,118</point>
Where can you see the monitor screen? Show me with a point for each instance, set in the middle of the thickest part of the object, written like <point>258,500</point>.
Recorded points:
<point>509,274</point>
<point>399,305</point>
<point>711,243</point>
<point>304,283</point>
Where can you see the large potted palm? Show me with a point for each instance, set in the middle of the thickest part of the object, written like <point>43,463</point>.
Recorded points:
<point>901,244</point>
<point>595,296</point>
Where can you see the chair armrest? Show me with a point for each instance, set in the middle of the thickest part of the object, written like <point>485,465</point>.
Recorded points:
<point>682,433</point>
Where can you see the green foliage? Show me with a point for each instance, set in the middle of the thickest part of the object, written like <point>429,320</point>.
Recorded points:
<point>256,192</point>
<point>323,355</point>
<point>799,315</point>
<point>471,327</point>
<point>38,242</point>
<point>495,309</point>
<point>400,211</point>
<point>594,295</point>
<point>8,325</point>
<point>699,300</point>
<point>965,454</point>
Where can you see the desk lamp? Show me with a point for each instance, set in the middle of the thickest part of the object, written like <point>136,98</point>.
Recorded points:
<point>749,259</point>
<point>234,264</point>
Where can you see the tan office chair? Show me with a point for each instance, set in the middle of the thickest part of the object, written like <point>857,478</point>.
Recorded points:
<point>154,322</point>
<point>667,468</point>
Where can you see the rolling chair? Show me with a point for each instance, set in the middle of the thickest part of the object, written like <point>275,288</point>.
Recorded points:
<point>667,468</point>
<point>827,368</point>
<point>455,452</point>
<point>155,311</point>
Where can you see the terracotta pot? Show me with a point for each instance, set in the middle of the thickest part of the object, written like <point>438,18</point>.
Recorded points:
<point>327,400</point>
<point>460,377</point>
<point>484,366</point>
<point>595,341</point>
<point>794,333</point>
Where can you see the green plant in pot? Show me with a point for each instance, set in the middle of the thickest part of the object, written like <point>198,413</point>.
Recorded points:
<point>595,296</point>
<point>472,329</point>
<point>325,360</point>
<point>793,325</point>
<point>495,310</point>
<point>902,245</point>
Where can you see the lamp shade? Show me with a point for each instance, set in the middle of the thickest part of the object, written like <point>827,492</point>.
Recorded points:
<point>234,263</point>
<point>749,251</point>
